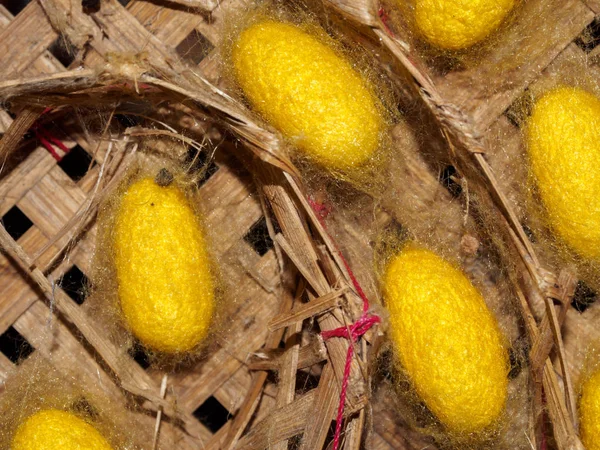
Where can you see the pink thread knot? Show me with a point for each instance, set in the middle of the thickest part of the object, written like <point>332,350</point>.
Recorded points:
<point>352,333</point>
<point>355,330</point>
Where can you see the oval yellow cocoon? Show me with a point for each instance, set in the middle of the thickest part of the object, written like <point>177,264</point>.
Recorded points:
<point>313,96</point>
<point>447,340</point>
<point>563,142</point>
<point>52,429</point>
<point>163,270</point>
<point>459,24</point>
<point>589,412</point>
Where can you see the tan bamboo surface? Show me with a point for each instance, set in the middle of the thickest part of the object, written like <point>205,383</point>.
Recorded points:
<point>170,47</point>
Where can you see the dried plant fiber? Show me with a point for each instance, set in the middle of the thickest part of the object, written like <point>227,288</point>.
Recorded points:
<point>563,143</point>
<point>165,288</point>
<point>52,429</point>
<point>589,411</point>
<point>446,340</point>
<point>311,94</point>
<point>459,24</point>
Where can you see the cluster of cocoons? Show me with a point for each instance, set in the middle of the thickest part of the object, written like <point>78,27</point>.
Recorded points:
<point>563,143</point>
<point>589,412</point>
<point>165,288</point>
<point>459,24</point>
<point>52,429</point>
<point>446,340</point>
<point>312,95</point>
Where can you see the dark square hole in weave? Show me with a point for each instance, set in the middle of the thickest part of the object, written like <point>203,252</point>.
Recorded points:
<point>76,163</point>
<point>124,2</point>
<point>16,223</point>
<point>529,233</point>
<point>14,346</point>
<point>15,6</point>
<point>197,162</point>
<point>212,414</point>
<point>448,180</point>
<point>140,356</point>
<point>258,237</point>
<point>516,364</point>
<point>584,297</point>
<point>519,111</point>
<point>75,284</point>
<point>127,120</point>
<point>82,406</point>
<point>295,442</point>
<point>63,50</point>
<point>513,117</point>
<point>90,6</point>
<point>590,38</point>
<point>307,379</point>
<point>194,48</point>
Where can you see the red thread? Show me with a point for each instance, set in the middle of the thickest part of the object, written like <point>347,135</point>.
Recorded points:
<point>351,332</point>
<point>321,209</point>
<point>383,16</point>
<point>47,145</point>
<point>49,140</point>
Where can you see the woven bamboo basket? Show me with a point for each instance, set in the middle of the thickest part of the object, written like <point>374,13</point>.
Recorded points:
<point>59,56</point>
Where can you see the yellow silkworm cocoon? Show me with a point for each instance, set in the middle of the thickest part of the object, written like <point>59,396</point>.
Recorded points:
<point>307,91</point>
<point>163,270</point>
<point>459,24</point>
<point>52,429</point>
<point>589,412</point>
<point>563,142</point>
<point>447,340</point>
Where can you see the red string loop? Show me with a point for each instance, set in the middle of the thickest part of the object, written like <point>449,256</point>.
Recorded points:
<point>351,332</point>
